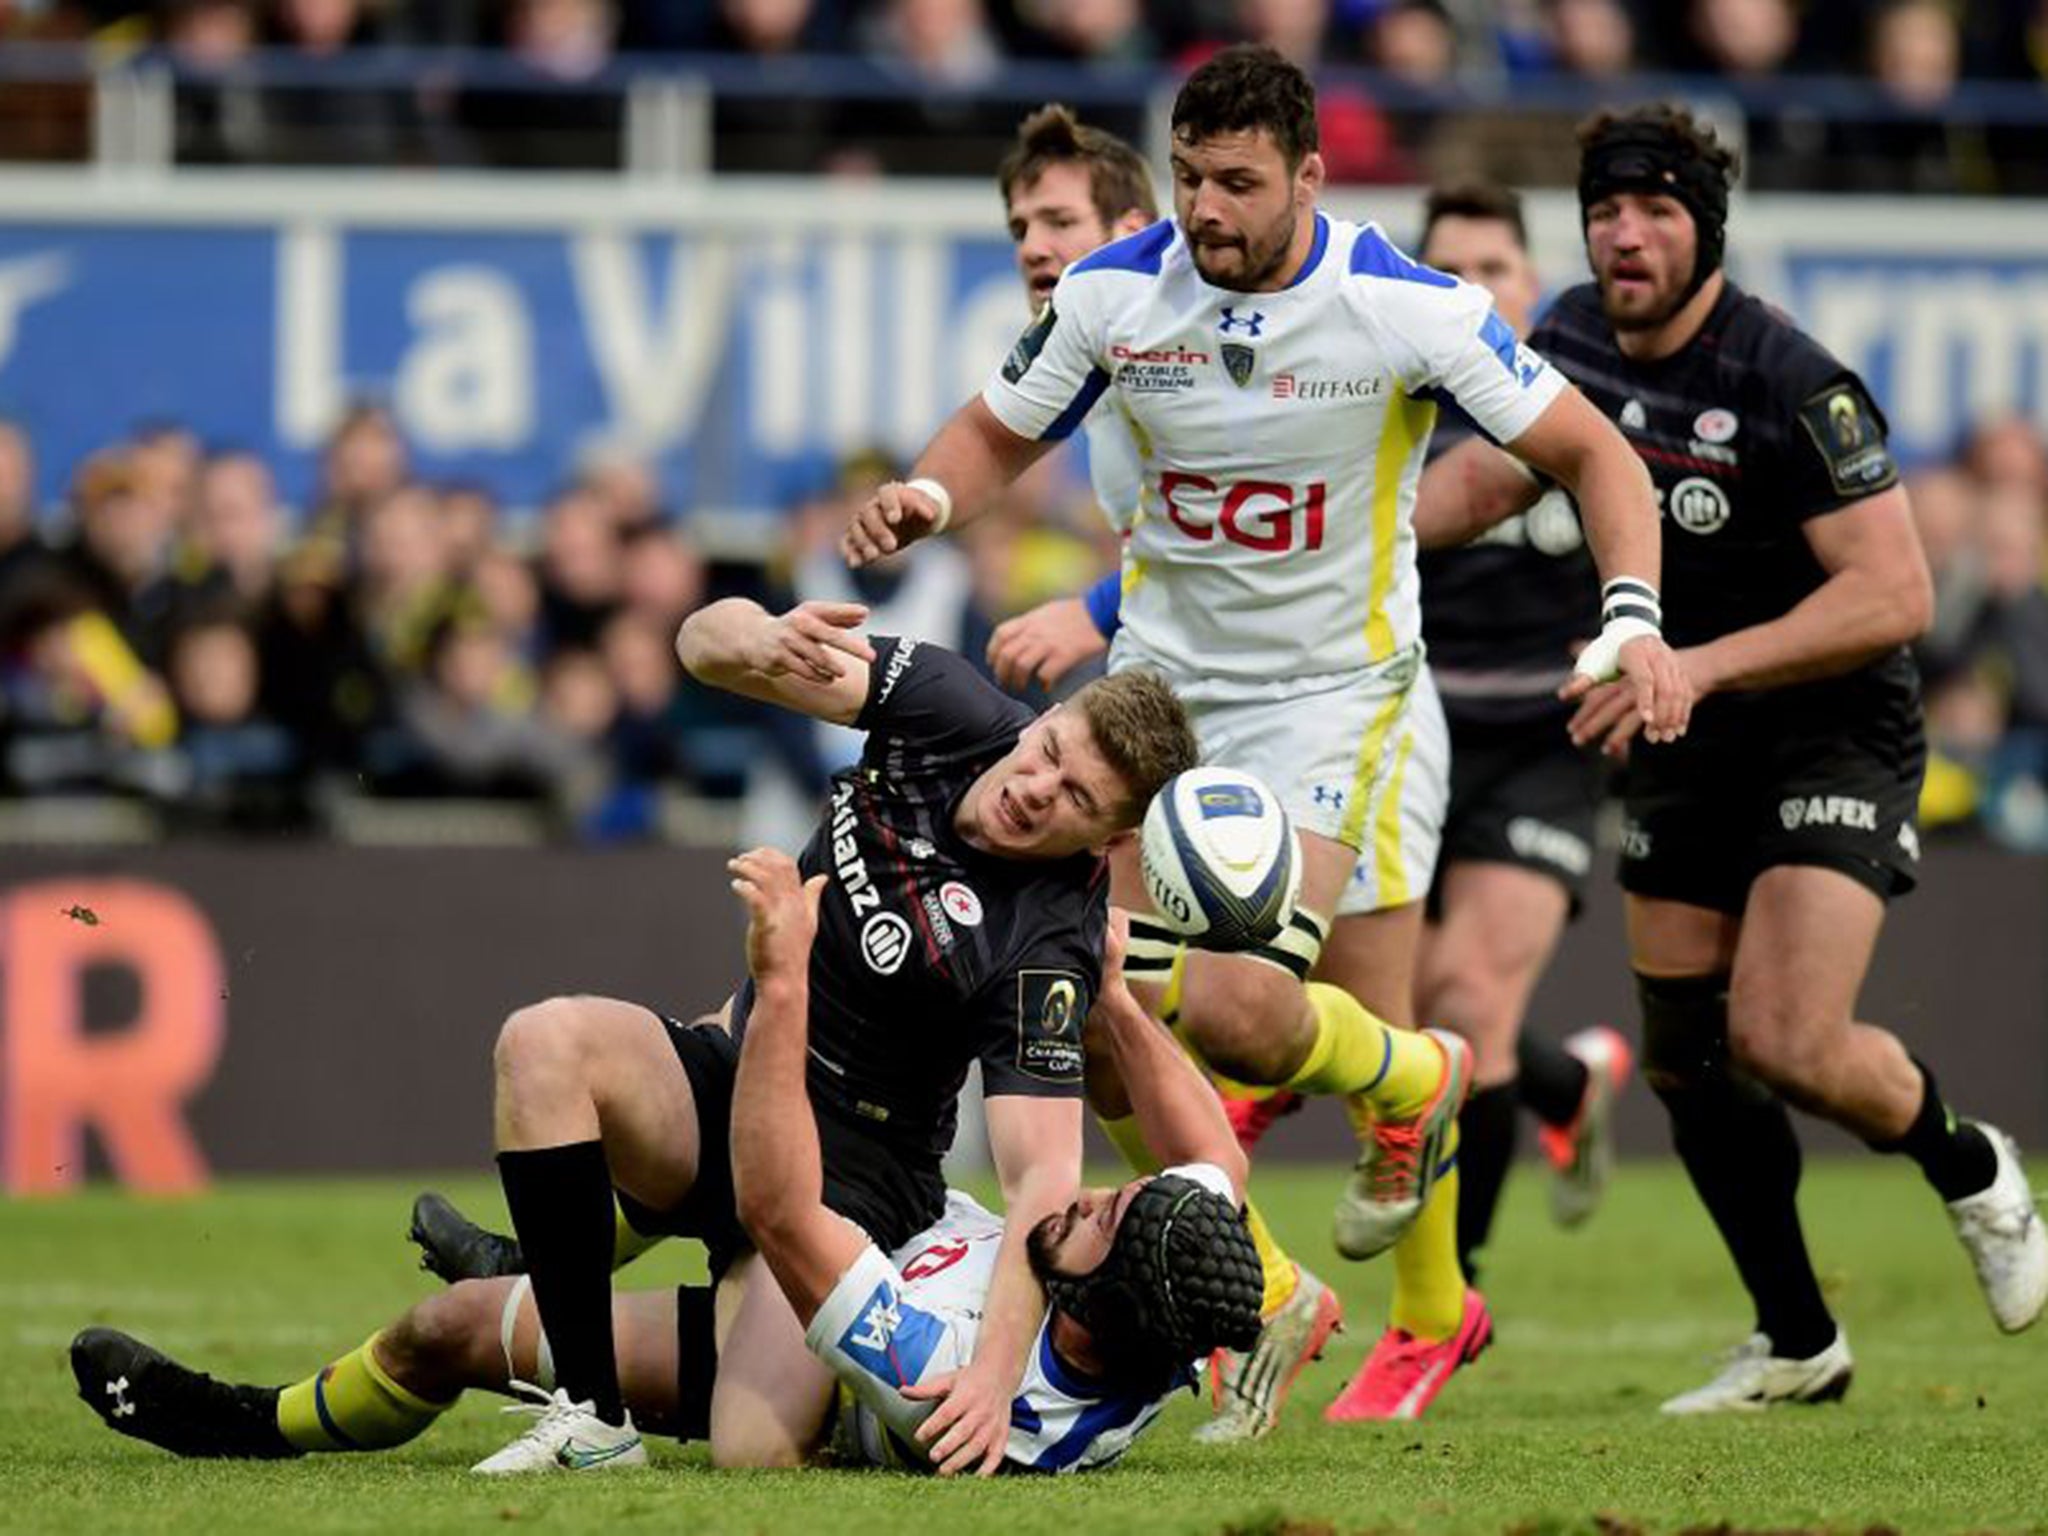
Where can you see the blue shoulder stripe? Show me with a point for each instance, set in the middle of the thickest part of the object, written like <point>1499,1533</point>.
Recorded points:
<point>1143,252</point>
<point>1062,426</point>
<point>1374,255</point>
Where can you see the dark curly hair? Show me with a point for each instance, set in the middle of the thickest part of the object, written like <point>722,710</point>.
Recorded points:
<point>1249,86</point>
<point>1118,178</point>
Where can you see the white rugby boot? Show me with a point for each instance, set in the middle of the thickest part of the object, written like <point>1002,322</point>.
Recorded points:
<point>1754,1379</point>
<point>566,1437</point>
<point>2001,1231</point>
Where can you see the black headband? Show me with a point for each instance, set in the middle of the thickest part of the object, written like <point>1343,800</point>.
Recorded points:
<point>1646,157</point>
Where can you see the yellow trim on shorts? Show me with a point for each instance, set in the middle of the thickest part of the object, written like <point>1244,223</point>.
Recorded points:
<point>1390,869</point>
<point>1351,832</point>
<point>1408,421</point>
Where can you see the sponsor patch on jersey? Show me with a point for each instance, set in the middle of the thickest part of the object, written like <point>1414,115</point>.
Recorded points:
<point>1844,427</point>
<point>1030,344</point>
<point>885,943</point>
<point>1049,1018</point>
<point>1698,505</point>
<point>1633,417</point>
<point>891,1339</point>
<point>961,904</point>
<point>1238,361</point>
<point>899,663</point>
<point>1548,844</point>
<point>1292,386</point>
<point>1827,811</point>
<point>1715,425</point>
<point>1156,370</point>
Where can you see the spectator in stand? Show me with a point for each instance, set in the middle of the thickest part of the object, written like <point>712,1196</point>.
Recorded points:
<point>120,552</point>
<point>940,55</point>
<point>581,570</point>
<point>508,593</point>
<point>2009,448</point>
<point>21,545</point>
<point>1091,32</point>
<point>627,486</point>
<point>562,116</point>
<point>663,578</point>
<point>1932,146</point>
<point>232,768</point>
<point>235,532</point>
<point>402,590</point>
<point>788,132</point>
<point>326,124</point>
<point>1415,41</point>
<point>1592,39</point>
<point>469,526</point>
<point>365,461</point>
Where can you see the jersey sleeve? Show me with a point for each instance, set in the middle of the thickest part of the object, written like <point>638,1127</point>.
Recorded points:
<point>878,1341</point>
<point>1055,373</point>
<point>1466,354</point>
<point>934,700</point>
<point>1836,449</point>
<point>1031,1015</point>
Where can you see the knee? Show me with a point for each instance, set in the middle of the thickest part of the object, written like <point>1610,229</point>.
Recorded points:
<point>439,1339</point>
<point>1685,1031</point>
<point>1769,1043</point>
<point>1246,1018</point>
<point>761,1446</point>
<point>541,1038</point>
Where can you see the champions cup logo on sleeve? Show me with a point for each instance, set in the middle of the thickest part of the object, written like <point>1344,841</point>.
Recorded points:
<point>1049,1025</point>
<point>1029,345</point>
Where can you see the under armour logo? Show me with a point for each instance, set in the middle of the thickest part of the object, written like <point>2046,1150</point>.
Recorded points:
<point>1250,326</point>
<point>117,1389</point>
<point>1327,795</point>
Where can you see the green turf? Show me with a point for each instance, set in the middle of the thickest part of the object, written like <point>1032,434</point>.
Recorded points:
<point>1555,1430</point>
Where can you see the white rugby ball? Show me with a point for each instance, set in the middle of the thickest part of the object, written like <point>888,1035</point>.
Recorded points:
<point>1221,860</point>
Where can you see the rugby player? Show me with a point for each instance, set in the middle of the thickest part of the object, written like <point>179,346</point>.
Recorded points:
<point>1069,189</point>
<point>1759,853</point>
<point>1144,1281</point>
<point>1280,368</point>
<point>963,921</point>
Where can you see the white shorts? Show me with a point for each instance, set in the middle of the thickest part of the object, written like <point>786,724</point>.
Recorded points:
<point>1366,764</point>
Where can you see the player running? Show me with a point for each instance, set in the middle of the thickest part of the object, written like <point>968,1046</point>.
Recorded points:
<point>1280,368</point>
<point>1144,1281</point>
<point>1760,851</point>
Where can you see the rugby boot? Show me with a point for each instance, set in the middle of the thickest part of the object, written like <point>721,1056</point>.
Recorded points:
<point>2001,1230</point>
<point>1581,1154</point>
<point>1755,1379</point>
<point>1404,1374</point>
<point>565,1436</point>
<point>1400,1161</point>
<point>456,1248</point>
<point>144,1393</point>
<point>1250,1389</point>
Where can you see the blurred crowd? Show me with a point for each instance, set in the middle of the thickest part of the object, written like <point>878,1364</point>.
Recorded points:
<point>935,100</point>
<point>175,637</point>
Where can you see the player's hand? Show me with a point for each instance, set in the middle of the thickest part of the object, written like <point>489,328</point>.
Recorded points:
<point>1657,682</point>
<point>1607,717</point>
<point>970,1428</point>
<point>801,642</point>
<point>896,515</point>
<point>782,912</point>
<point>1045,644</point>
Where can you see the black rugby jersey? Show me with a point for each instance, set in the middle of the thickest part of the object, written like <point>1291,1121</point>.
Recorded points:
<point>1500,615</point>
<point>1748,430</point>
<point>931,954</point>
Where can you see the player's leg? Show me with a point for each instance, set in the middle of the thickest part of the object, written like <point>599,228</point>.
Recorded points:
<point>1808,936</point>
<point>590,1094</point>
<point>1498,927</point>
<point>773,1395</point>
<point>1737,1144</point>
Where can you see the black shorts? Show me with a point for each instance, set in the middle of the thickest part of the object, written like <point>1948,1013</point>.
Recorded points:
<point>890,1192</point>
<point>1521,794</point>
<point>1801,780</point>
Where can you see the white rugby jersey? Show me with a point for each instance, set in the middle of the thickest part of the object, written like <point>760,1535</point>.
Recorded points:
<point>895,1320</point>
<point>1280,435</point>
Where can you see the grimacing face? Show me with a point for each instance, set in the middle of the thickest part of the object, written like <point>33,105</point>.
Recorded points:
<point>1641,246</point>
<point>1051,795</point>
<point>1076,1240</point>
<point>1240,208</point>
<point>1484,251</point>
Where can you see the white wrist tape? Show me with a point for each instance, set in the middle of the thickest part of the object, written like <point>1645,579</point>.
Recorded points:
<point>939,496</point>
<point>1629,597</point>
<point>1601,660</point>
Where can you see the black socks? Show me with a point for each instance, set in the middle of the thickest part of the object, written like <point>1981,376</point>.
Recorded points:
<point>561,1204</point>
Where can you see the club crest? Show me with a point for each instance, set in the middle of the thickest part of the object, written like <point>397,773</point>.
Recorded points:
<point>1239,360</point>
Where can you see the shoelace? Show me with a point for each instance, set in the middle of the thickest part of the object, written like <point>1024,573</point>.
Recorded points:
<point>1397,1161</point>
<point>546,1409</point>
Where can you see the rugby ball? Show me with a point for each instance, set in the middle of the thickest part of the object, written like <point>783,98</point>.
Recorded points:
<point>1221,860</point>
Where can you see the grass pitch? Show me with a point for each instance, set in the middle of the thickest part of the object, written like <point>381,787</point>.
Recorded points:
<point>1554,1430</point>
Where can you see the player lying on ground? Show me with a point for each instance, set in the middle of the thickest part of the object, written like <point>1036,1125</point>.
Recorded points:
<point>1145,1280</point>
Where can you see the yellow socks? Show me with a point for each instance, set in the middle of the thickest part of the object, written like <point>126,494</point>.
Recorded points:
<point>1429,1287</point>
<point>1395,1070</point>
<point>628,1241</point>
<point>353,1405</point>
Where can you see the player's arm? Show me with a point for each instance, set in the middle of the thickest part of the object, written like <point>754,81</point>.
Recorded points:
<point>1046,643</point>
<point>960,471</point>
<point>812,659</point>
<point>1037,1147</point>
<point>778,1171</point>
<point>1468,489</point>
<point>1179,1111</point>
